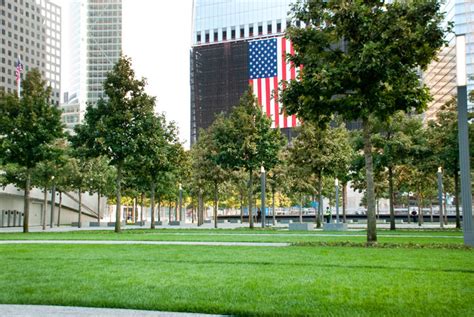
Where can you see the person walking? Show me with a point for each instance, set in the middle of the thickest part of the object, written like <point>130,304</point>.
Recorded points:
<point>327,214</point>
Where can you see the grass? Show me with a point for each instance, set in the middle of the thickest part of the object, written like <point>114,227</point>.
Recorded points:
<point>246,235</point>
<point>291,281</point>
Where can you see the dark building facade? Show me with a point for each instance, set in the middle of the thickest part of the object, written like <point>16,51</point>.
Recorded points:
<point>219,57</point>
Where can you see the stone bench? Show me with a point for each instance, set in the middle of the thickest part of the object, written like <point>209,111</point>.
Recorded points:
<point>298,226</point>
<point>175,223</point>
<point>97,224</point>
<point>83,224</point>
<point>335,226</point>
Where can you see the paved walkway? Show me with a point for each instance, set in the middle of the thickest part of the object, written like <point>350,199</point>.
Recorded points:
<point>232,244</point>
<point>63,311</point>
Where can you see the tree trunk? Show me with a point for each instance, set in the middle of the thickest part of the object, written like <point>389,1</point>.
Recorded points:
<point>152,205</point>
<point>80,209</point>
<point>391,198</point>
<point>118,206</point>
<point>369,176</point>
<point>159,208</point>
<point>250,198</point>
<point>98,207</point>
<point>177,216</point>
<point>26,203</point>
<point>216,198</point>
<point>320,203</point>
<point>169,212</point>
<point>199,213</point>
<point>59,207</point>
<point>301,209</point>
<point>420,212</point>
<point>344,202</point>
<point>241,207</point>
<point>141,208</point>
<point>431,211</point>
<point>456,199</point>
<point>377,208</point>
<point>408,206</point>
<point>45,206</point>
<point>273,206</point>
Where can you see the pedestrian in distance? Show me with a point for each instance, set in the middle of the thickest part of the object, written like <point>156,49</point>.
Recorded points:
<point>327,214</point>
<point>414,215</point>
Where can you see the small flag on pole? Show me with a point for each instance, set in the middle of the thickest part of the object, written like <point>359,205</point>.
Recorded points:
<point>18,70</point>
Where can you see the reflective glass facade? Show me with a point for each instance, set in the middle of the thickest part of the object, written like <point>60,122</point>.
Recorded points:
<point>95,47</point>
<point>224,20</point>
<point>441,74</point>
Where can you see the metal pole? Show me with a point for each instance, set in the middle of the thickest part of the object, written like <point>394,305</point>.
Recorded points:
<point>466,194</point>
<point>440,197</point>
<point>262,179</point>
<point>337,200</point>
<point>53,203</point>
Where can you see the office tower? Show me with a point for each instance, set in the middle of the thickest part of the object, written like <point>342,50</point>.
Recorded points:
<point>95,45</point>
<point>441,74</point>
<point>31,33</point>
<point>227,39</point>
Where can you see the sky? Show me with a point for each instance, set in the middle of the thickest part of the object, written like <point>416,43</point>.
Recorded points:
<point>157,37</point>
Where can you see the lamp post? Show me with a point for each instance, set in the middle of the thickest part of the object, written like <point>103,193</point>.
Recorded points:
<point>336,183</point>
<point>53,201</point>
<point>440,196</point>
<point>181,213</point>
<point>262,181</point>
<point>466,195</point>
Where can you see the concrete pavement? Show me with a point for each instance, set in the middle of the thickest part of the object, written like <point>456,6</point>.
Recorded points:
<point>64,311</point>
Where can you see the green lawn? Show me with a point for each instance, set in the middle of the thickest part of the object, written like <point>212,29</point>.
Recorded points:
<point>246,235</point>
<point>291,281</point>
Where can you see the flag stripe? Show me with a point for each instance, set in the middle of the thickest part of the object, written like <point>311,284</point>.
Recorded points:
<point>259,91</point>
<point>283,77</point>
<point>276,102</point>
<point>267,96</point>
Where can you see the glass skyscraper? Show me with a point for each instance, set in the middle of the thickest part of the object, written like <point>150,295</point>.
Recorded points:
<point>95,47</point>
<point>31,32</point>
<point>441,74</point>
<point>219,57</point>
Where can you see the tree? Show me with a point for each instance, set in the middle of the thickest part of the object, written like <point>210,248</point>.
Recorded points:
<point>101,180</point>
<point>206,164</point>
<point>278,178</point>
<point>396,140</point>
<point>360,61</point>
<point>159,152</point>
<point>443,140</point>
<point>28,128</point>
<point>248,141</point>
<point>323,151</point>
<point>113,126</point>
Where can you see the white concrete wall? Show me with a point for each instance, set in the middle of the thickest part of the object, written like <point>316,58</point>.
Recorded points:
<point>11,198</point>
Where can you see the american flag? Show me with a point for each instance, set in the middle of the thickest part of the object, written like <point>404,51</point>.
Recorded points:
<point>18,70</point>
<point>267,67</point>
